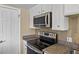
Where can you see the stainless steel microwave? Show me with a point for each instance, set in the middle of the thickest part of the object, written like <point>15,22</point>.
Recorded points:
<point>43,20</point>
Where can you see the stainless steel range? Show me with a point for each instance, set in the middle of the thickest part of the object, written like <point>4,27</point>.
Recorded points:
<point>45,40</point>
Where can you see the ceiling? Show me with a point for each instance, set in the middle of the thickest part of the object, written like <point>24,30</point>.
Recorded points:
<point>21,5</point>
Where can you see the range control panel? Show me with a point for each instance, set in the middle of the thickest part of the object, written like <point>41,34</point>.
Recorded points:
<point>48,34</point>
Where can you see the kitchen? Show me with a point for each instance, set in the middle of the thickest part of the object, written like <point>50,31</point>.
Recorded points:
<point>64,23</point>
<point>54,27</point>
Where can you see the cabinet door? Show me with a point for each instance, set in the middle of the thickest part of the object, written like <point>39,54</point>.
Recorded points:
<point>71,9</point>
<point>36,10</point>
<point>46,8</point>
<point>32,14</point>
<point>58,17</point>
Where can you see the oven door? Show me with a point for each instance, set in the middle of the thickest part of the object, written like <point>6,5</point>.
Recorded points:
<point>32,50</point>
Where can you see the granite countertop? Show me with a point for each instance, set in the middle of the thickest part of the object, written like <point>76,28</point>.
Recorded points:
<point>30,37</point>
<point>57,49</point>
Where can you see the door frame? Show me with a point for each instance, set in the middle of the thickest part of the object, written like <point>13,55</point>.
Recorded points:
<point>17,9</point>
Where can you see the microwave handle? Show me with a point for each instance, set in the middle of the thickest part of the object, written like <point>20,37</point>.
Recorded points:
<point>47,23</point>
<point>46,19</point>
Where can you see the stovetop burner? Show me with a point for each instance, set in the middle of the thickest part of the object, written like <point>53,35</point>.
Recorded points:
<point>40,46</point>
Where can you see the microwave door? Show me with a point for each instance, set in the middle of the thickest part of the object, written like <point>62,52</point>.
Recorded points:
<point>42,21</point>
<point>39,21</point>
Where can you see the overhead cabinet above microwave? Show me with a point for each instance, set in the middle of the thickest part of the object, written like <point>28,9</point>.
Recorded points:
<point>71,9</point>
<point>59,22</point>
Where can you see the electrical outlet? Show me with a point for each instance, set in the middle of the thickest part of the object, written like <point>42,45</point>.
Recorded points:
<point>69,39</point>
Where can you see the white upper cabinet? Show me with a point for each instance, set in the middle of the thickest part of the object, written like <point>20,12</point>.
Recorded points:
<point>31,17</point>
<point>71,9</point>
<point>36,10</point>
<point>41,8</point>
<point>46,8</point>
<point>59,22</point>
